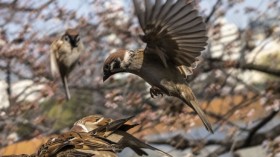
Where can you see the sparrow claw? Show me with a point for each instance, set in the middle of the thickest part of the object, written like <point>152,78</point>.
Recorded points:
<point>155,91</point>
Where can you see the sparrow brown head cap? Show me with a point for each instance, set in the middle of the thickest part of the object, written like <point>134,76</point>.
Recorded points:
<point>118,54</point>
<point>112,64</point>
<point>72,32</point>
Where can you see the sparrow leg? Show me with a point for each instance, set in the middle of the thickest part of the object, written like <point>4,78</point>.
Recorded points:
<point>155,91</point>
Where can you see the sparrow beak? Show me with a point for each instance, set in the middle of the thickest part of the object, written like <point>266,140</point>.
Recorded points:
<point>74,44</point>
<point>108,73</point>
<point>105,77</point>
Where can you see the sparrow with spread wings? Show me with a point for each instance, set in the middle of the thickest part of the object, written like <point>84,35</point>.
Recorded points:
<point>175,36</point>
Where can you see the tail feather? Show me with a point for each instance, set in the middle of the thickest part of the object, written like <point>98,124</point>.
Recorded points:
<point>65,85</point>
<point>202,116</point>
<point>188,97</point>
<point>138,151</point>
<point>136,145</point>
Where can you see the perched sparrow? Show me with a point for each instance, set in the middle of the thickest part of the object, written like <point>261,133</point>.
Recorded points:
<point>94,136</point>
<point>175,36</point>
<point>115,131</point>
<point>65,53</point>
<point>78,144</point>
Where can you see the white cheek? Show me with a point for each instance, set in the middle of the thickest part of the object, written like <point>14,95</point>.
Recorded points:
<point>84,127</point>
<point>100,120</point>
<point>126,57</point>
<point>123,65</point>
<point>112,65</point>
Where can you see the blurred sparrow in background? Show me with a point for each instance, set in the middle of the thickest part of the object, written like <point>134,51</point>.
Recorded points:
<point>65,53</point>
<point>175,36</point>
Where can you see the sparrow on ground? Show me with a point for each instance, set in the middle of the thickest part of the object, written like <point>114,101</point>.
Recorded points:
<point>78,144</point>
<point>95,136</point>
<point>175,35</point>
<point>65,53</point>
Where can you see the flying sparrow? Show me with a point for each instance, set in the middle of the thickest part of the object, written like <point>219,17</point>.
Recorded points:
<point>65,53</point>
<point>175,36</point>
<point>115,131</point>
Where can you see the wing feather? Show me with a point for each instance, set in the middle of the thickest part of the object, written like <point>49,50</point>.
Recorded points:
<point>173,30</point>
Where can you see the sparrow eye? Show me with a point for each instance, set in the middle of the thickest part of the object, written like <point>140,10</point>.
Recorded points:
<point>107,67</point>
<point>66,38</point>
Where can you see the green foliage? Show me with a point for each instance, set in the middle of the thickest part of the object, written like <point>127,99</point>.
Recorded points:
<point>64,114</point>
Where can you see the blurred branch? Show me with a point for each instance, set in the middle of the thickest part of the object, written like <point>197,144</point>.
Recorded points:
<point>256,139</point>
<point>217,63</point>
<point>152,104</point>
<point>261,68</point>
<point>8,80</point>
<point>14,6</point>
<point>262,123</point>
<point>226,120</point>
<point>214,9</point>
<point>231,111</point>
<point>181,142</point>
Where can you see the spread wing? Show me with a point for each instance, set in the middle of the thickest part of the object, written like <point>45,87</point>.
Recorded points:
<point>172,30</point>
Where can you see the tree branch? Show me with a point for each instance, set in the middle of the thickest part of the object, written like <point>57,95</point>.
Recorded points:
<point>221,64</point>
<point>212,11</point>
<point>254,130</point>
